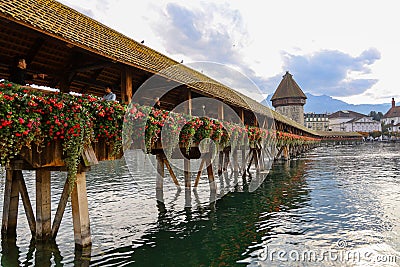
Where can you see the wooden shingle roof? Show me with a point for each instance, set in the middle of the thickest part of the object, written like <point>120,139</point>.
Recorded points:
<point>58,21</point>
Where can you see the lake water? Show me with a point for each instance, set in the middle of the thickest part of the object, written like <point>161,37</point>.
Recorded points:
<point>334,206</point>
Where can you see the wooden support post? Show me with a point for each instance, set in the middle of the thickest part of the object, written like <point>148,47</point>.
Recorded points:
<point>126,84</point>
<point>80,213</point>
<point>221,111</point>
<point>286,154</point>
<point>27,203</point>
<point>43,205</point>
<point>171,172</point>
<point>196,183</point>
<point>160,172</point>
<point>188,197</point>
<point>251,155</point>
<point>210,175</point>
<point>220,161</point>
<point>60,210</point>
<point>189,102</point>
<point>260,159</point>
<point>235,160</point>
<point>244,158</point>
<point>265,123</point>
<point>256,159</point>
<point>186,172</point>
<point>10,206</point>
<point>279,153</point>
<point>226,160</point>
<point>242,115</point>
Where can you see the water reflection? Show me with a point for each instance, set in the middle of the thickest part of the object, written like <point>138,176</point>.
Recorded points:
<point>348,193</point>
<point>206,235</point>
<point>38,254</point>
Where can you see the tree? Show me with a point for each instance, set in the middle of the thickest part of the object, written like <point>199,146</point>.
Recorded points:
<point>377,116</point>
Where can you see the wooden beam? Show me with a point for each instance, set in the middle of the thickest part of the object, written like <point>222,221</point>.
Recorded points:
<point>43,205</point>
<point>196,183</point>
<point>93,77</point>
<point>221,110</point>
<point>66,81</point>
<point>242,115</point>
<point>60,210</point>
<point>160,171</point>
<point>126,85</point>
<point>10,206</point>
<point>210,175</point>
<point>80,213</point>
<point>235,160</point>
<point>226,160</point>
<point>220,161</point>
<point>34,50</point>
<point>27,203</point>
<point>68,72</point>
<point>186,172</point>
<point>188,106</point>
<point>93,66</point>
<point>171,172</point>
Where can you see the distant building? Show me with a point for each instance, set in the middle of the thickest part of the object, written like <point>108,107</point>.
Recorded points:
<point>316,122</point>
<point>364,124</point>
<point>289,99</point>
<point>392,117</point>
<point>350,121</point>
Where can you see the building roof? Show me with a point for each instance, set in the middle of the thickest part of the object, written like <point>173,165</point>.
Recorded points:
<point>345,114</point>
<point>288,88</point>
<point>357,120</point>
<point>342,134</point>
<point>393,112</point>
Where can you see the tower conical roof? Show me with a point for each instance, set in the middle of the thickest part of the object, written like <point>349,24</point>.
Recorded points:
<point>288,88</point>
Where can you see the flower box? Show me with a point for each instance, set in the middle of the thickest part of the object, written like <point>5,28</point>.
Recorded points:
<point>104,150</point>
<point>48,156</point>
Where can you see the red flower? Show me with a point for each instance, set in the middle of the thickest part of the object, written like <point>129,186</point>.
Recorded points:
<point>21,120</point>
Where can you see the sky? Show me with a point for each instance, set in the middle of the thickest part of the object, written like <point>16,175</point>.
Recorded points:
<point>345,49</point>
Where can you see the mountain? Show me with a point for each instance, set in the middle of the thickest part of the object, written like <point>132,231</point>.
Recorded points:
<point>326,104</point>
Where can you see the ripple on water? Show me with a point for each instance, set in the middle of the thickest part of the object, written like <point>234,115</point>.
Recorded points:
<point>346,196</point>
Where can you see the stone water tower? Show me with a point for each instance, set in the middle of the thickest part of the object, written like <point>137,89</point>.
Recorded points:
<point>289,99</point>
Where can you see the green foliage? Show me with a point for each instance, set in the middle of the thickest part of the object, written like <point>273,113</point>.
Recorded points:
<point>377,116</point>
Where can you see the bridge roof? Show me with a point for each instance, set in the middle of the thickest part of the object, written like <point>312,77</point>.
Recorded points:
<point>55,21</point>
<point>59,21</point>
<point>338,134</point>
<point>288,88</point>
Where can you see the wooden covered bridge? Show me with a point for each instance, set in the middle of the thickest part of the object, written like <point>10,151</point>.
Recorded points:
<point>81,55</point>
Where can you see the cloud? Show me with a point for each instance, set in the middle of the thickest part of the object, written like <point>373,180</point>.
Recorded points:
<point>95,9</point>
<point>329,71</point>
<point>212,32</point>
<point>86,11</point>
<point>209,32</point>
